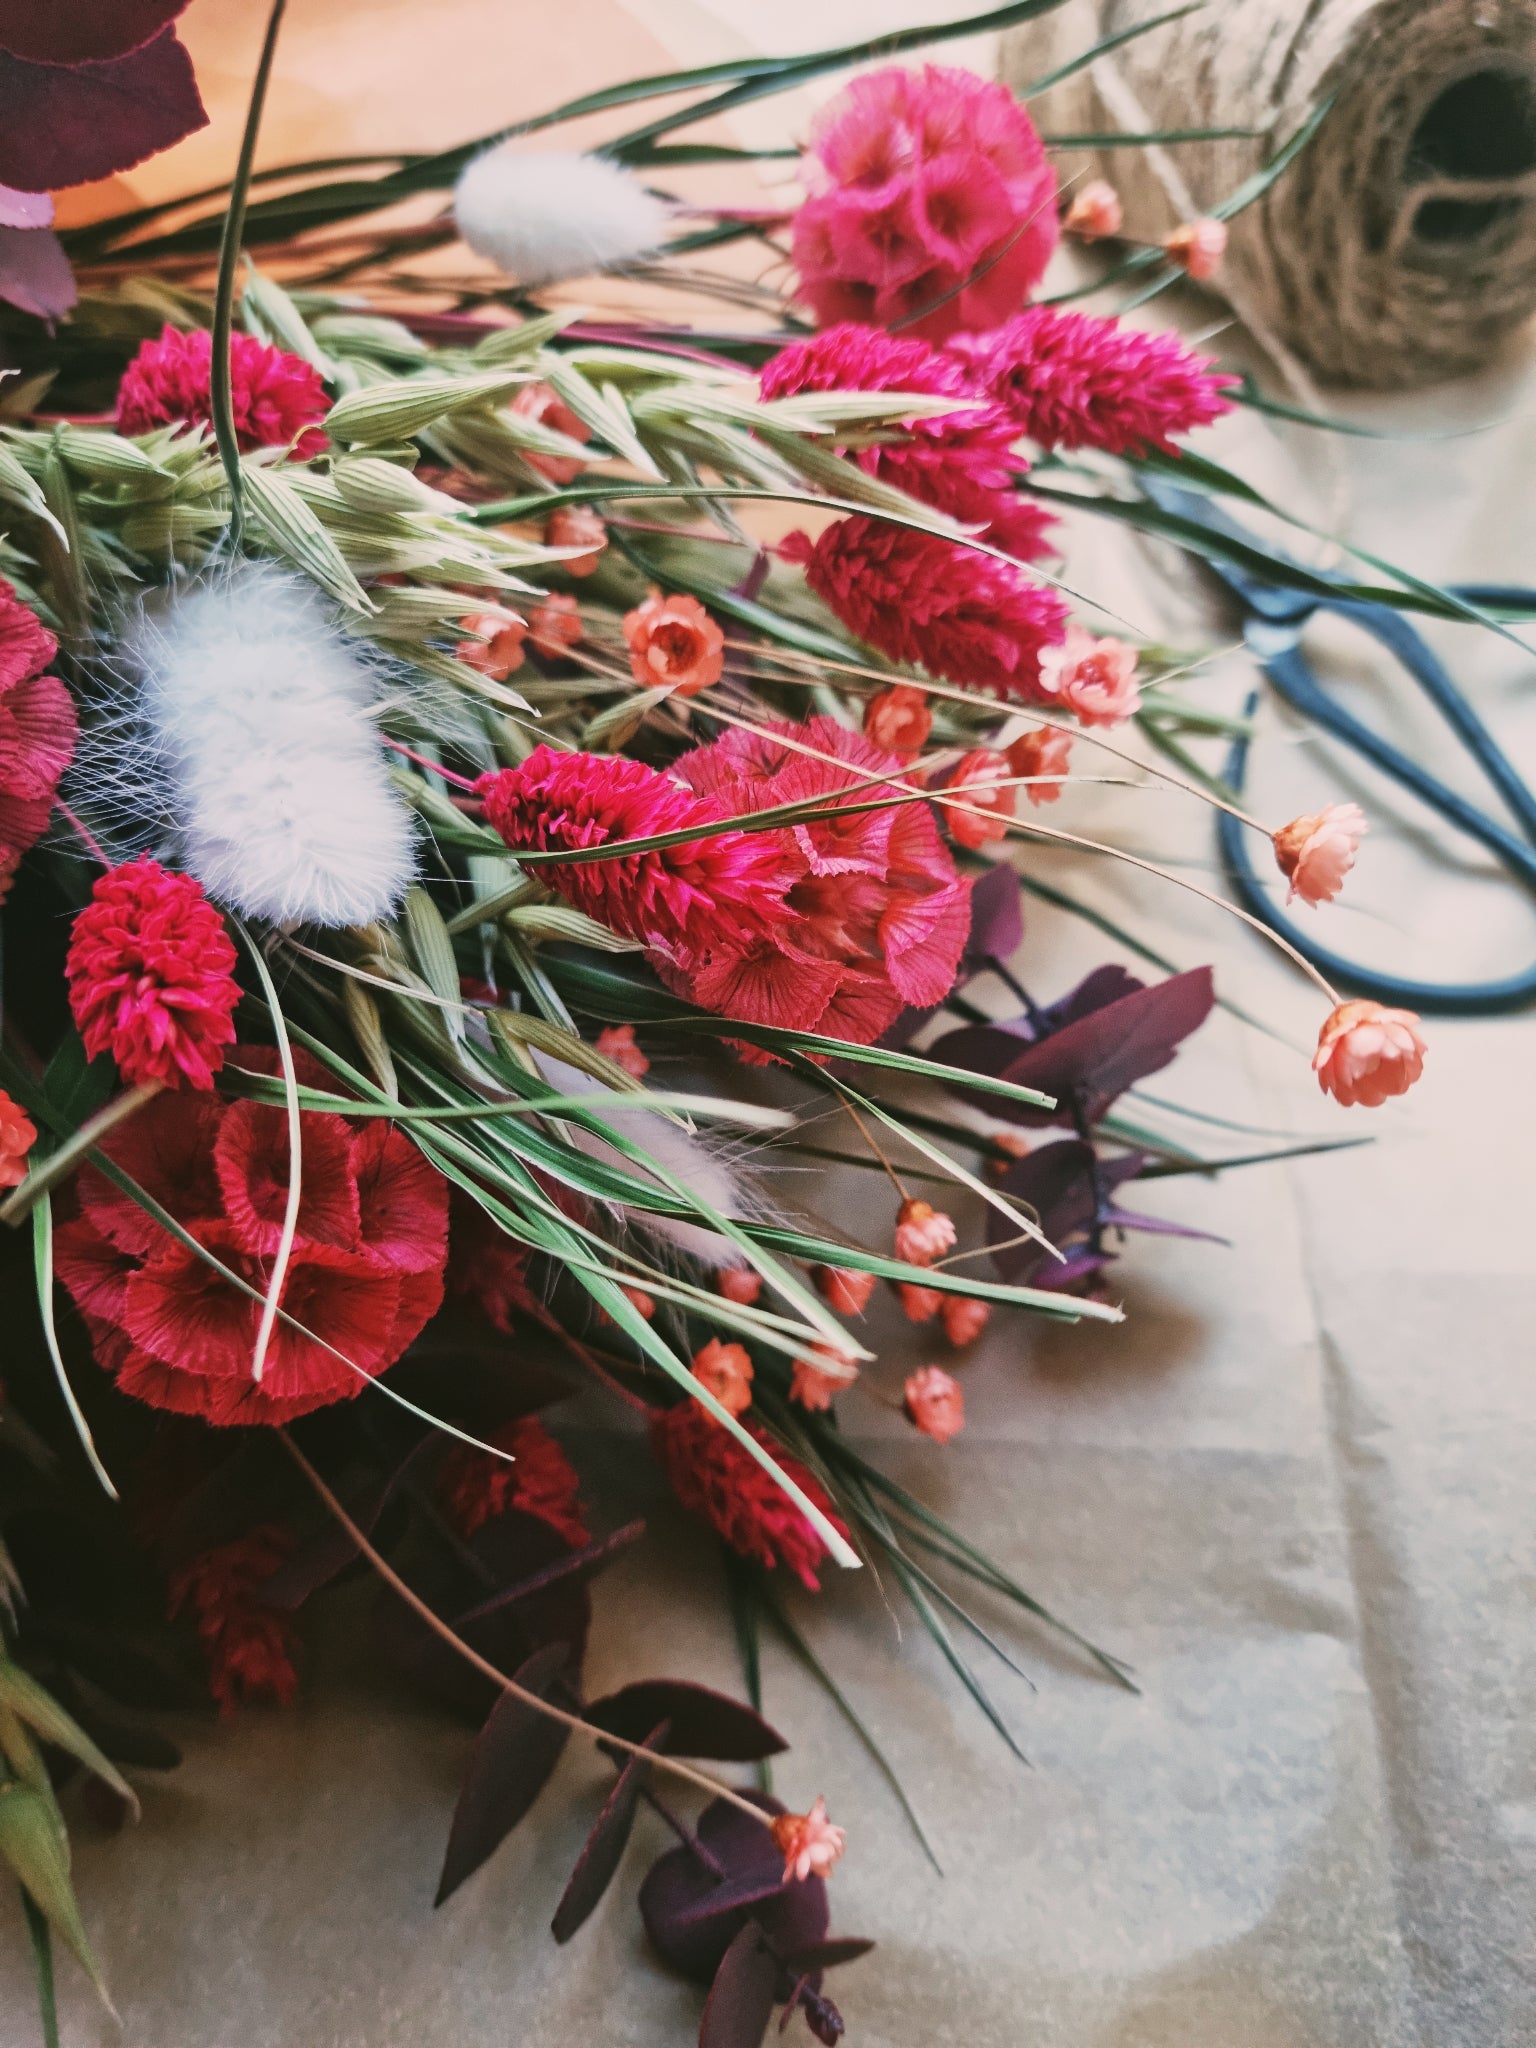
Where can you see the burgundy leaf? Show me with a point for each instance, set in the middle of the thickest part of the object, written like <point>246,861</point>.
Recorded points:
<point>731,1897</point>
<point>1104,986</point>
<point>35,273</point>
<point>733,1854</point>
<point>576,1564</point>
<point>605,1845</point>
<point>331,1549</point>
<point>82,31</point>
<point>826,1955</point>
<point>702,1723</point>
<point>1057,1182</point>
<point>740,2002</point>
<point>997,918</point>
<point>509,1766</point>
<point>65,125</point>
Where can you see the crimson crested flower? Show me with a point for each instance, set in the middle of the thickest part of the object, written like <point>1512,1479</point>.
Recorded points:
<point>1080,380</point>
<point>37,730</point>
<point>539,1480</point>
<point>678,900</point>
<point>247,1644</point>
<point>713,1476</point>
<point>151,976</point>
<point>276,397</point>
<point>930,603</point>
<point>932,207</point>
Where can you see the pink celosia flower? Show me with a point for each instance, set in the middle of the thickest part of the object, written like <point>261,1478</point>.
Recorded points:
<point>556,625</point>
<point>540,404</point>
<point>248,1644</point>
<point>931,603</point>
<point>934,1403</point>
<point>899,720</point>
<point>923,1233</point>
<point>739,1284</point>
<point>576,526</point>
<point>539,1480</point>
<point>964,1319</point>
<point>932,204</point>
<point>151,976</point>
<point>26,645</point>
<point>1045,750</point>
<point>38,730</point>
<point>685,899</point>
<point>18,1134</point>
<point>1076,380</point>
<point>918,1304</point>
<point>726,1370</point>
<point>1316,853</point>
<point>826,1370</point>
<point>616,1042</point>
<point>674,644</point>
<point>1198,247</point>
<point>809,1843</point>
<point>1095,212</point>
<point>276,397</point>
<point>496,645</point>
<point>714,1477</point>
<point>975,780</point>
<point>844,1288</point>
<point>1096,679</point>
<point>1366,1053</point>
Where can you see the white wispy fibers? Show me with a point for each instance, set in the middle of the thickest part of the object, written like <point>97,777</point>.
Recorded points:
<point>543,216</point>
<point>258,713</point>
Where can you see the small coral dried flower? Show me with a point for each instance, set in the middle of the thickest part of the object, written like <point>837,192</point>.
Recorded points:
<point>899,719</point>
<point>918,1304</point>
<point>674,644</point>
<point>810,1844</point>
<point>923,1233</point>
<point>975,782</point>
<point>1366,1053</point>
<point>556,625</point>
<point>1014,1143</point>
<point>1316,853</point>
<point>824,1371</point>
<point>1096,679</point>
<point>1198,247</point>
<point>1043,751</point>
<point>1095,212</point>
<point>574,526</point>
<point>616,1042</point>
<point>639,1301</point>
<point>844,1289</point>
<point>739,1284</point>
<point>934,1403</point>
<point>495,645</point>
<point>151,976</point>
<point>18,1134</point>
<point>964,1319</point>
<point>726,1371</point>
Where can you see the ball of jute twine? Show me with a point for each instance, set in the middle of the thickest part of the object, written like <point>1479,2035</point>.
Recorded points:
<point>1400,246</point>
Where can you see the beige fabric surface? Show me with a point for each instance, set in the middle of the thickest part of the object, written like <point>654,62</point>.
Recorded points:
<point>1294,1490</point>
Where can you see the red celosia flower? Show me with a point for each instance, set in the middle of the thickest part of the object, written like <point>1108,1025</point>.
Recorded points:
<point>18,1134</point>
<point>674,644</point>
<point>616,1042</point>
<point>474,1487</point>
<point>713,1476</point>
<point>1076,380</point>
<point>151,976</point>
<point>276,396</point>
<point>726,1371</point>
<point>932,203</point>
<point>37,730</point>
<point>679,899</point>
<point>248,1645</point>
<point>933,604</point>
<point>975,780</point>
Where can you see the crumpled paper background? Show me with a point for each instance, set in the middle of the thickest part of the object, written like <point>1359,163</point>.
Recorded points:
<point>1294,1489</point>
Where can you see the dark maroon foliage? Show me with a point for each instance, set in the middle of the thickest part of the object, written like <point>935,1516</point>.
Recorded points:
<point>82,31</point>
<point>740,2002</point>
<point>67,123</point>
<point>606,1844</point>
<point>997,919</point>
<point>700,1722</point>
<point>513,1758</point>
<point>692,1899</point>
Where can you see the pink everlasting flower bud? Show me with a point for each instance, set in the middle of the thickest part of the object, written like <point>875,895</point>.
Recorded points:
<point>1095,212</point>
<point>739,1283</point>
<point>918,1304</point>
<point>964,1319</point>
<point>899,719</point>
<point>1316,853</point>
<point>639,1301</point>
<point>809,1843</point>
<point>923,1233</point>
<point>1366,1052</point>
<point>1015,1144</point>
<point>823,1372</point>
<point>1096,679</point>
<point>1042,751</point>
<point>496,648</point>
<point>844,1289</point>
<point>616,1042</point>
<point>935,1404</point>
<point>975,781</point>
<point>726,1370</point>
<point>556,625</point>
<point>574,526</point>
<point>1198,247</point>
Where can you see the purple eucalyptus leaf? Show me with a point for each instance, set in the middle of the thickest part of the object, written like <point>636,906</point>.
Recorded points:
<point>25,209</point>
<point>740,2002</point>
<point>1057,1182</point>
<point>700,1722</point>
<point>826,1955</point>
<point>331,1549</point>
<point>997,918</point>
<point>1104,986</point>
<point>580,1565</point>
<point>35,273</point>
<point>605,1845</point>
<point>512,1760</point>
<point>68,124</point>
<point>732,1852</point>
<point>82,31</point>
<point>1157,1226</point>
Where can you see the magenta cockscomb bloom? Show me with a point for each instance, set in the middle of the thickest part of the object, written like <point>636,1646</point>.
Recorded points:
<point>932,207</point>
<point>1075,380</point>
<point>152,976</point>
<point>929,602</point>
<point>680,900</point>
<point>277,397</point>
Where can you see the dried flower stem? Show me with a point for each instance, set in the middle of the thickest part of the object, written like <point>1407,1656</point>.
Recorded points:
<point>874,1145</point>
<point>483,1665</point>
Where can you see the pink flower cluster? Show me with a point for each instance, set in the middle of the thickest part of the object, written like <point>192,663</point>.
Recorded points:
<point>37,730</point>
<point>932,207</point>
<point>277,397</point>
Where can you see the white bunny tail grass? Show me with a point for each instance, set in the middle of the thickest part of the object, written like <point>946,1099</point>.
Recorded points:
<point>544,216</point>
<point>259,718</point>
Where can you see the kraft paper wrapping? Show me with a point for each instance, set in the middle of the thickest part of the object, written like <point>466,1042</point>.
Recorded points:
<point>1293,1490</point>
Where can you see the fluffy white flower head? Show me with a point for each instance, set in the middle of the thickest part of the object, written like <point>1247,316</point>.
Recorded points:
<point>259,713</point>
<point>543,216</point>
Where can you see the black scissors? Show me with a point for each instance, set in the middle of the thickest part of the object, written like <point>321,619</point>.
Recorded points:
<point>1275,615</point>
